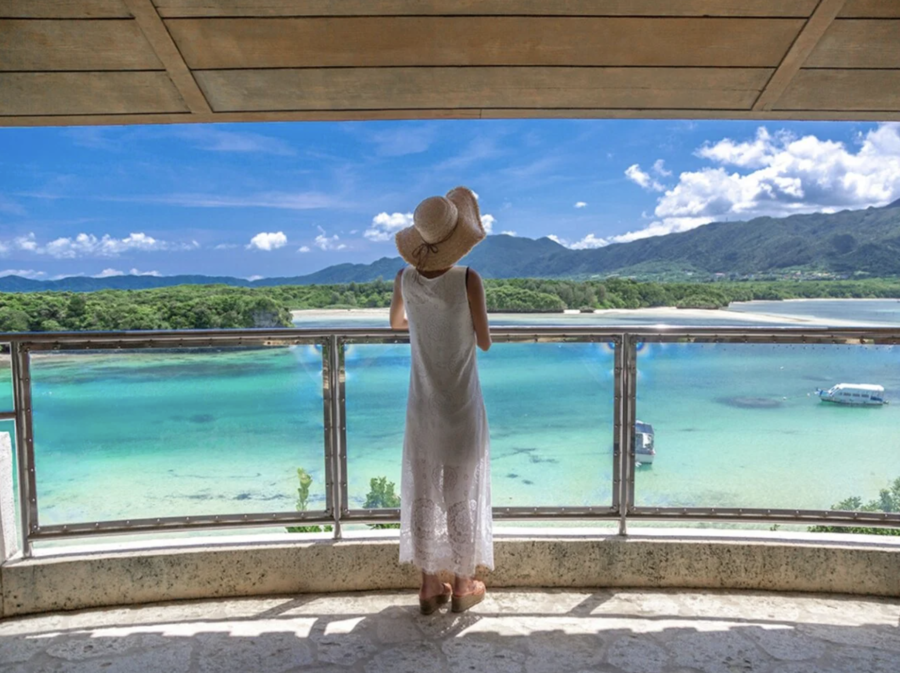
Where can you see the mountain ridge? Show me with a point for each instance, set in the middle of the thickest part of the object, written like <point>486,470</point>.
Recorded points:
<point>844,243</point>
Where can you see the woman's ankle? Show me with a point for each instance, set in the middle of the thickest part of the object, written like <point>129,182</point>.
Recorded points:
<point>431,585</point>
<point>464,585</point>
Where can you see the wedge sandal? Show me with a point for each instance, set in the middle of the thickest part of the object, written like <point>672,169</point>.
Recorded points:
<point>466,601</point>
<point>429,605</point>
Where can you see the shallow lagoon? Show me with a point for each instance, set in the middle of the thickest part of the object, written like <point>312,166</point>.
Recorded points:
<point>157,434</point>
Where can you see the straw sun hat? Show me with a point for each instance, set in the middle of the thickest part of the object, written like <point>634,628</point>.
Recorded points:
<point>445,229</point>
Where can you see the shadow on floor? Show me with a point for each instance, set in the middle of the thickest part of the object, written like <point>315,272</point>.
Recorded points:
<point>513,631</point>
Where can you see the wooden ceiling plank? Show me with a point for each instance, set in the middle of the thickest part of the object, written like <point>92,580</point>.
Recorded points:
<point>39,45</point>
<point>87,93</point>
<point>399,88</point>
<point>68,9</point>
<point>858,43</point>
<point>845,90</point>
<point>748,8</point>
<point>440,41</point>
<point>871,9</point>
<point>803,46</point>
<point>156,33</point>
<point>443,113</point>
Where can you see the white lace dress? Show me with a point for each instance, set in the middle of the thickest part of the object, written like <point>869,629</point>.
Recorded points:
<point>446,481</point>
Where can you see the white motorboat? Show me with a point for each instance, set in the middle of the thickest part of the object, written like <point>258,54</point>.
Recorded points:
<point>643,443</point>
<point>860,394</point>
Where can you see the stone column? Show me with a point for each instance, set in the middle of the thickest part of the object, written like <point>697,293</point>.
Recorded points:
<point>8,544</point>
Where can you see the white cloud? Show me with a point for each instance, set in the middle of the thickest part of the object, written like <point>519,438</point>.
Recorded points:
<point>475,194</point>
<point>384,226</point>
<point>488,221</point>
<point>580,204</point>
<point>635,174</point>
<point>215,140</point>
<point>303,248</point>
<point>226,246</point>
<point>509,233</point>
<point>781,174</point>
<point>252,278</point>
<point>275,200</point>
<point>477,151</point>
<point>404,140</point>
<point>94,137</point>
<point>27,242</point>
<point>325,242</point>
<point>659,167</point>
<point>24,273</point>
<point>108,273</point>
<point>89,245</point>
<point>106,246</point>
<point>588,242</point>
<point>753,154</point>
<point>268,240</point>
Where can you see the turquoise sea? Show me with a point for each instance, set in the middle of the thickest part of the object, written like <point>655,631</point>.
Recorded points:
<point>148,434</point>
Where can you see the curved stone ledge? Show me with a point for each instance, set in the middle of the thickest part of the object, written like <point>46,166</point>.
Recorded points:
<point>68,581</point>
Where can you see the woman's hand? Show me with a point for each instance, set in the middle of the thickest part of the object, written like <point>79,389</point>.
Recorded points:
<point>398,315</point>
<point>478,307</point>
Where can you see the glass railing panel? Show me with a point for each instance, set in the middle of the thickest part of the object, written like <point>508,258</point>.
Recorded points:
<point>6,396</point>
<point>9,427</point>
<point>741,425</point>
<point>154,433</point>
<point>550,408</point>
<point>550,412</point>
<point>377,378</point>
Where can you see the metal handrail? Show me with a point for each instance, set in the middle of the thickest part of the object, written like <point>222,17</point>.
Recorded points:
<point>625,341</point>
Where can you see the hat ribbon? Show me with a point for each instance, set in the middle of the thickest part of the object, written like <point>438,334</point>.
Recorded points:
<point>424,248</point>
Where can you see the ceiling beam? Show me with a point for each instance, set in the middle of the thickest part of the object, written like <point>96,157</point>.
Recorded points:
<point>445,113</point>
<point>158,36</point>
<point>796,56</point>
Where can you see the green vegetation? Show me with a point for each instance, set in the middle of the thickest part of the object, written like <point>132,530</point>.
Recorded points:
<point>303,502</point>
<point>380,496</point>
<point>221,306</point>
<point>179,307</point>
<point>888,500</point>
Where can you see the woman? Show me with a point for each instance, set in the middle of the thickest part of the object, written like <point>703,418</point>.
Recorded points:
<point>445,486</point>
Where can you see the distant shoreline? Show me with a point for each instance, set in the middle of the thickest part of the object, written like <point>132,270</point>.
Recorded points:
<point>660,314</point>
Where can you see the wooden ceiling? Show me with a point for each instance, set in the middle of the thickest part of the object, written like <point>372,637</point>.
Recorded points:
<point>156,61</point>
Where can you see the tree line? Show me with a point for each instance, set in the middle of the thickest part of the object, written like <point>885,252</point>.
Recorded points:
<point>222,306</point>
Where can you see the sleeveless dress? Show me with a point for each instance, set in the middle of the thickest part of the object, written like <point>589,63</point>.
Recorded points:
<point>445,505</point>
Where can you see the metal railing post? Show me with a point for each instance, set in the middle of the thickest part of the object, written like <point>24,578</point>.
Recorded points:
<point>628,407</point>
<point>340,402</point>
<point>332,448</point>
<point>339,480</point>
<point>21,378</point>
<point>618,499</point>
<point>328,426</point>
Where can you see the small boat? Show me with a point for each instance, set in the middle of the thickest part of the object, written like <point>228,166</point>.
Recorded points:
<point>859,394</point>
<point>643,443</point>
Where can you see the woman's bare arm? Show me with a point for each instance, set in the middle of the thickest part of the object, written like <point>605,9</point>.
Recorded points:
<point>478,307</point>
<point>398,317</point>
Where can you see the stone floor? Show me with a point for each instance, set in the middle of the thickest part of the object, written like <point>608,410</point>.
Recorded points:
<point>529,631</point>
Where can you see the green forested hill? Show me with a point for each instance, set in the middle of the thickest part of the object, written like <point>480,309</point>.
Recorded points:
<point>853,241</point>
<point>848,243</point>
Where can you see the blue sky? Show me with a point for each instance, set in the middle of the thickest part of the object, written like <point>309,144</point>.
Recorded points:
<point>284,199</point>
